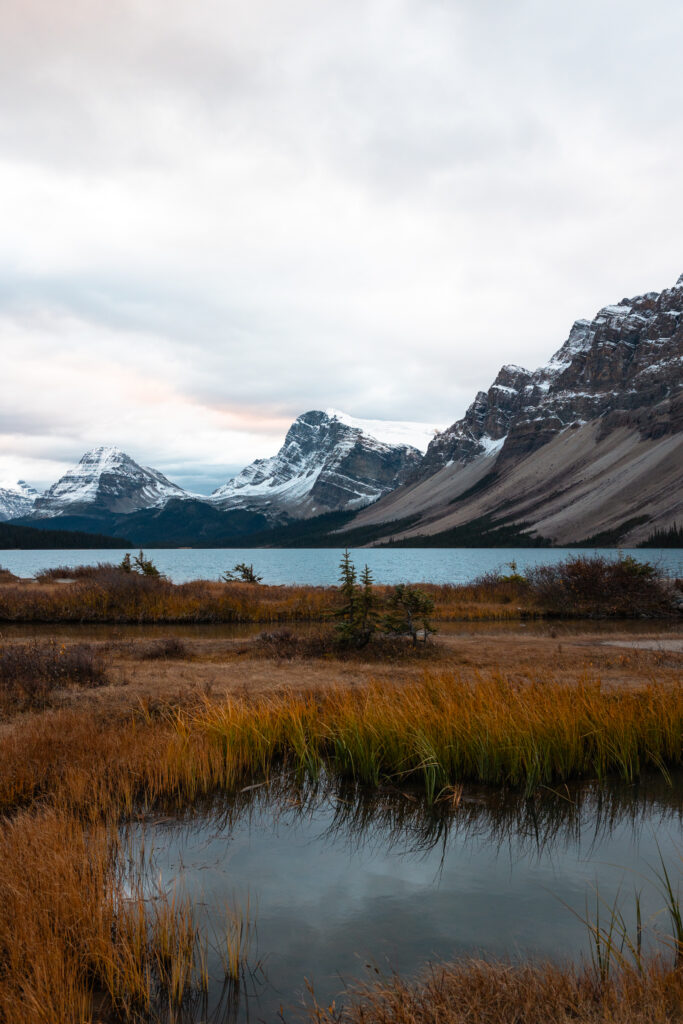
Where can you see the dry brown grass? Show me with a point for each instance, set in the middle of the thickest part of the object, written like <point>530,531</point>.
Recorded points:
<point>474,992</point>
<point>127,597</point>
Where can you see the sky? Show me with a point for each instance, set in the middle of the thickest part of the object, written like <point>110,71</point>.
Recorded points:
<point>217,215</point>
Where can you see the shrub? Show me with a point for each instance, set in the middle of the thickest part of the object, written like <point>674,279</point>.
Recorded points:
<point>76,572</point>
<point>409,613</point>
<point>284,645</point>
<point>596,586</point>
<point>29,673</point>
<point>168,647</point>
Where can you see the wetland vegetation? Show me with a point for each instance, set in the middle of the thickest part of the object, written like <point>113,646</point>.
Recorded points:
<point>100,734</point>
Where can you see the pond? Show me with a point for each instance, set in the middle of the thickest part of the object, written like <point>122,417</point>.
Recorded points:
<point>339,884</point>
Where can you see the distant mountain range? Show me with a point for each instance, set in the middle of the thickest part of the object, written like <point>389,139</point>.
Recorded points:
<point>585,448</point>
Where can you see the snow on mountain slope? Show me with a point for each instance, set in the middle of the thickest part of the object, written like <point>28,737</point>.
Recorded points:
<point>16,500</point>
<point>393,432</point>
<point>106,479</point>
<point>326,463</point>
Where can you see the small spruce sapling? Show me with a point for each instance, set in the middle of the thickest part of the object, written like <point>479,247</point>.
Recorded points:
<point>357,616</point>
<point>348,588</point>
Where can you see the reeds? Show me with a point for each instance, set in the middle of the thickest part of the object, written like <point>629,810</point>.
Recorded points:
<point>479,992</point>
<point>437,732</point>
<point>73,936</point>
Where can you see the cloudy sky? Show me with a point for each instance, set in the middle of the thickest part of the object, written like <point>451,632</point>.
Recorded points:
<point>216,215</point>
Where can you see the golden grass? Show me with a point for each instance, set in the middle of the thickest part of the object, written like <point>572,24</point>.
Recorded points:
<point>71,939</point>
<point>440,730</point>
<point>475,992</point>
<point>138,599</point>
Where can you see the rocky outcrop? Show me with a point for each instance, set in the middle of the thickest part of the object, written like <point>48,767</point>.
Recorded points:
<point>324,465</point>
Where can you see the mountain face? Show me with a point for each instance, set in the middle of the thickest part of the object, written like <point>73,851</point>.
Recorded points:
<point>327,463</point>
<point>17,500</point>
<point>622,367</point>
<point>582,446</point>
<point>106,480</point>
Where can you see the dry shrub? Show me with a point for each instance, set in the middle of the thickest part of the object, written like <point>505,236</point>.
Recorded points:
<point>283,644</point>
<point>168,647</point>
<point>77,572</point>
<point>30,673</point>
<point>595,586</point>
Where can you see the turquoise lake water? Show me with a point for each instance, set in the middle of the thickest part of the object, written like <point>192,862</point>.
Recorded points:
<point>319,566</point>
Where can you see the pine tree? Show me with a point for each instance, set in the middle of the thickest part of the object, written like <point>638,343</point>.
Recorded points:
<point>367,615</point>
<point>348,587</point>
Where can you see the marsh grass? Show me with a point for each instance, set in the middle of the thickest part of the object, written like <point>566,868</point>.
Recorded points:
<point>482,992</point>
<point>434,733</point>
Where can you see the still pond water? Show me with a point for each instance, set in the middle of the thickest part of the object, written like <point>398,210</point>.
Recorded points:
<point>339,884</point>
<point>320,566</point>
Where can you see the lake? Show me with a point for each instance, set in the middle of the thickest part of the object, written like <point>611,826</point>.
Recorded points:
<point>337,882</point>
<point>319,566</point>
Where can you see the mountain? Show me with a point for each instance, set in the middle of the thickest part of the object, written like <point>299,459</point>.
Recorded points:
<point>16,500</point>
<point>589,446</point>
<point>328,462</point>
<point>106,480</point>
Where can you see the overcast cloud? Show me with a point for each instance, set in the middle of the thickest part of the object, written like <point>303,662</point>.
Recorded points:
<point>218,215</point>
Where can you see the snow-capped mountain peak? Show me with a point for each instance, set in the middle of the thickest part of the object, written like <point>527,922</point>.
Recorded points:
<point>106,479</point>
<point>327,462</point>
<point>16,499</point>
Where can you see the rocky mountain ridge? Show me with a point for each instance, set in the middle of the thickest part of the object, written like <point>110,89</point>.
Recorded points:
<point>579,447</point>
<point>328,462</point>
<point>627,358</point>
<point>588,446</point>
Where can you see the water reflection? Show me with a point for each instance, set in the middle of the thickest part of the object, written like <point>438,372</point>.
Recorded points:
<point>339,878</point>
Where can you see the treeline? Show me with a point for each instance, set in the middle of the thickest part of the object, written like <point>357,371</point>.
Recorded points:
<point>28,537</point>
<point>671,538</point>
